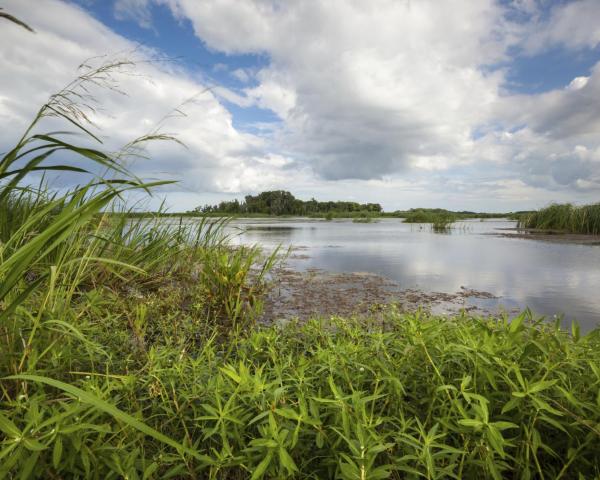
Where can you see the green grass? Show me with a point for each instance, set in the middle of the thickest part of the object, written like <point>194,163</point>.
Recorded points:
<point>364,218</point>
<point>440,221</point>
<point>129,349</point>
<point>565,218</point>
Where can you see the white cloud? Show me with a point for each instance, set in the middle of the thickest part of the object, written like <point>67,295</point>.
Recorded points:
<point>243,75</point>
<point>364,87</point>
<point>398,101</point>
<point>573,24</point>
<point>136,10</point>
<point>578,83</point>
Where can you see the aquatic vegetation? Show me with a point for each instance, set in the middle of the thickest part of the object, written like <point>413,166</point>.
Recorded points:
<point>442,224</point>
<point>566,218</point>
<point>440,221</point>
<point>364,218</point>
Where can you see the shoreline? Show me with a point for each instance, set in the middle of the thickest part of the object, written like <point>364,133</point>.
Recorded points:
<point>550,236</point>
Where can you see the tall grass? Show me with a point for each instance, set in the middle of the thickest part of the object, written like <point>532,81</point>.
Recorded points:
<point>566,218</point>
<point>69,264</point>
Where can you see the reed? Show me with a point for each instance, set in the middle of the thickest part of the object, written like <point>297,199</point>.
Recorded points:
<point>441,222</point>
<point>567,218</point>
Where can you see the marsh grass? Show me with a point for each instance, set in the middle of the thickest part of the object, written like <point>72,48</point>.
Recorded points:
<point>441,222</point>
<point>568,218</point>
<point>365,218</point>
<point>70,262</point>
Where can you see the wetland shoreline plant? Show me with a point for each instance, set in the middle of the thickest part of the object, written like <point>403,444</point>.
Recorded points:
<point>441,222</point>
<point>564,218</point>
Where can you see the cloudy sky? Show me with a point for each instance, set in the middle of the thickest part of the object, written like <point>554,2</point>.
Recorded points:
<point>463,104</point>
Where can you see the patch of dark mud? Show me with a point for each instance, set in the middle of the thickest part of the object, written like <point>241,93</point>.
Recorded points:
<point>316,293</point>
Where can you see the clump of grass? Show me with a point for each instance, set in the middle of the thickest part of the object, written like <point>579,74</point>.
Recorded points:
<point>565,218</point>
<point>440,221</point>
<point>363,219</point>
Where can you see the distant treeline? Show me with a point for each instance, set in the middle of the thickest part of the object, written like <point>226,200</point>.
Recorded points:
<point>280,202</point>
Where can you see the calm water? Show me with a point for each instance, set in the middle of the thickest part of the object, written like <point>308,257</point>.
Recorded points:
<point>549,278</point>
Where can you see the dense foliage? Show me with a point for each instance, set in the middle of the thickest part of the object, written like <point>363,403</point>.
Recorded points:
<point>565,217</point>
<point>412,397</point>
<point>280,202</point>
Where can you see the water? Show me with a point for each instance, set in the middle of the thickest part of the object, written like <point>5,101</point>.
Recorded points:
<point>550,278</point>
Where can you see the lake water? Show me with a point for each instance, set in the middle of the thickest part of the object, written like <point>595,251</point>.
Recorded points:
<point>550,278</point>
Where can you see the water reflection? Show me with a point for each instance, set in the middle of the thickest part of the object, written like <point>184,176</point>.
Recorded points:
<point>550,278</point>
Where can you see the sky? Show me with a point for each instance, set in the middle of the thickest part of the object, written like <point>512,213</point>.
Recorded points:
<point>487,105</point>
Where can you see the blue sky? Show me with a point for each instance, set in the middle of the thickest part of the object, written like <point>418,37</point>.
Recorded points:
<point>470,105</point>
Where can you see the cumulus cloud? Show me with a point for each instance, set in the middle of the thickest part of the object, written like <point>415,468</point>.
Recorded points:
<point>363,87</point>
<point>373,89</point>
<point>398,98</point>
<point>572,24</point>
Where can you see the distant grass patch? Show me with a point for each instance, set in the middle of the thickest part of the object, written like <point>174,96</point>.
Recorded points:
<point>566,218</point>
<point>364,218</point>
<point>440,221</point>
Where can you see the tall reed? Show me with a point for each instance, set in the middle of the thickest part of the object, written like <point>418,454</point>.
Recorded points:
<point>584,219</point>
